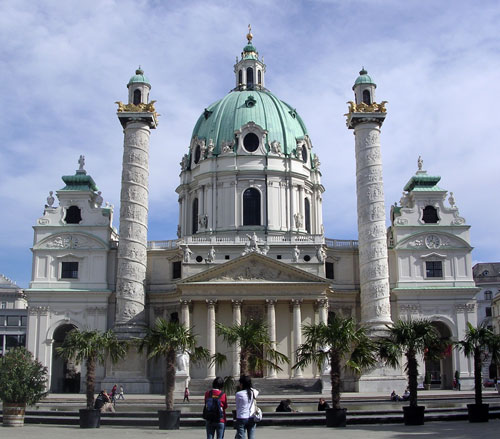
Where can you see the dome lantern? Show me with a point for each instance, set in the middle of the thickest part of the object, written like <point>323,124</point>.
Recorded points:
<point>138,88</point>
<point>249,70</point>
<point>364,88</point>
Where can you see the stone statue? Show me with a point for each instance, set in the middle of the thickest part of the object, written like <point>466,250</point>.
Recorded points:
<point>98,199</point>
<point>81,163</point>
<point>210,148</point>
<point>321,254</point>
<point>298,220</point>
<point>184,162</point>
<point>254,240</point>
<point>227,146</point>
<point>404,200</point>
<point>451,200</point>
<point>211,255</point>
<point>50,199</point>
<point>316,162</point>
<point>178,231</point>
<point>182,362</point>
<point>186,251</point>
<point>265,250</point>
<point>420,163</point>
<point>275,147</point>
<point>296,254</point>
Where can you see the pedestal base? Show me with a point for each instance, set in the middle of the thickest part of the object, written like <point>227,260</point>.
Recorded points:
<point>382,379</point>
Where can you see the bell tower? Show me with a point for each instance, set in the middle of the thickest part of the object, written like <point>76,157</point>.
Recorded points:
<point>138,118</point>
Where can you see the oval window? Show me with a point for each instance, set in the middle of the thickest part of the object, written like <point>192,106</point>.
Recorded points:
<point>304,154</point>
<point>251,142</point>
<point>197,154</point>
<point>199,259</point>
<point>307,258</point>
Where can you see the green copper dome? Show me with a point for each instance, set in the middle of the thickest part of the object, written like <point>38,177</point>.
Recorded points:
<point>221,119</point>
<point>363,78</point>
<point>139,77</point>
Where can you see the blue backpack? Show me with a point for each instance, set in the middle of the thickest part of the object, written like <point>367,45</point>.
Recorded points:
<point>212,411</point>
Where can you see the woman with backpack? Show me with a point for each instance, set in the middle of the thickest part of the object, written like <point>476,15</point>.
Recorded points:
<point>214,411</point>
<point>244,403</point>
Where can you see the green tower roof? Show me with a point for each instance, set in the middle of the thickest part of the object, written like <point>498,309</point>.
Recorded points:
<point>79,182</point>
<point>220,120</point>
<point>139,77</point>
<point>363,78</point>
<point>423,182</point>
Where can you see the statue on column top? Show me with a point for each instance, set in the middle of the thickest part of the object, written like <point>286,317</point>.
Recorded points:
<point>420,163</point>
<point>81,163</point>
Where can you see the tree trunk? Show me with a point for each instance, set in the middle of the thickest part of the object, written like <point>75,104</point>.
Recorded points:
<point>244,362</point>
<point>335,379</point>
<point>170,380</point>
<point>90,382</point>
<point>412,377</point>
<point>478,385</point>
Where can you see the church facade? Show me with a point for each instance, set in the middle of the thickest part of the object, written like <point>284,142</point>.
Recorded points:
<point>250,243</point>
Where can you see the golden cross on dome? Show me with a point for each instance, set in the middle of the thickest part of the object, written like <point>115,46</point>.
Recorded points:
<point>249,34</point>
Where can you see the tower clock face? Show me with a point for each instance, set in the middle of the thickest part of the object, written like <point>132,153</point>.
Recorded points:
<point>432,241</point>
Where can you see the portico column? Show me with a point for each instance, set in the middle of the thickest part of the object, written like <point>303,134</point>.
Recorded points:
<point>323,311</point>
<point>236,321</point>
<point>185,320</point>
<point>297,331</point>
<point>271,324</point>
<point>211,335</point>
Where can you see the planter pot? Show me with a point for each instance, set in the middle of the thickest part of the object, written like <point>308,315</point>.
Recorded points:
<point>414,415</point>
<point>90,418</point>
<point>169,419</point>
<point>427,387</point>
<point>336,417</point>
<point>13,414</point>
<point>478,412</point>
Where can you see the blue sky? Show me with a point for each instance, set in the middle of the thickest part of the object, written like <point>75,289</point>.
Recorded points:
<point>64,64</point>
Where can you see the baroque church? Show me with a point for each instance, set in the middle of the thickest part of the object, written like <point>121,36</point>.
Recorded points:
<point>251,244</point>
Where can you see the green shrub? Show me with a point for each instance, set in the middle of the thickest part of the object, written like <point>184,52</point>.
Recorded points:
<point>22,378</point>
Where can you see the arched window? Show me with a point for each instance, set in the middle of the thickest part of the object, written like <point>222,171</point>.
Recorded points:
<point>249,77</point>
<point>430,215</point>
<point>194,218</point>
<point>366,97</point>
<point>259,75</point>
<point>251,207</point>
<point>240,77</point>
<point>73,215</point>
<point>307,212</point>
<point>137,97</point>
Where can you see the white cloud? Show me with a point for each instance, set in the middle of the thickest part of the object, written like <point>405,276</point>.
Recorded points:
<point>65,63</point>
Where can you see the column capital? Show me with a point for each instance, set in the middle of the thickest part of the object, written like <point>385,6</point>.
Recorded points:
<point>321,303</point>
<point>271,302</point>
<point>236,303</point>
<point>185,302</point>
<point>296,302</point>
<point>211,302</point>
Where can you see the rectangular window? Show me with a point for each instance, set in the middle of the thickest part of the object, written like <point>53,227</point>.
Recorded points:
<point>488,311</point>
<point>12,320</point>
<point>24,320</point>
<point>69,270</point>
<point>487,295</point>
<point>4,305</point>
<point>14,341</point>
<point>176,270</point>
<point>433,269</point>
<point>329,270</point>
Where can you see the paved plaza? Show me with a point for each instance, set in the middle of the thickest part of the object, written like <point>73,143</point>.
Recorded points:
<point>448,430</point>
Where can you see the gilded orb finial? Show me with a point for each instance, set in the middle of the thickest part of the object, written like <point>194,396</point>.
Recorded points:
<point>249,34</point>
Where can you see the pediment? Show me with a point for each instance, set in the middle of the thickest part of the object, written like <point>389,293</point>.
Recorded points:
<point>77,241</point>
<point>254,268</point>
<point>432,240</point>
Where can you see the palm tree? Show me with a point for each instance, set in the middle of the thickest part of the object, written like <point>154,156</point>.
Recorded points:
<point>256,348</point>
<point>478,343</point>
<point>336,343</point>
<point>92,347</point>
<point>166,339</point>
<point>410,339</point>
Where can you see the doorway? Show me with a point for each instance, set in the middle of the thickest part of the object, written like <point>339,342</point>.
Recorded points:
<point>65,374</point>
<point>441,371</point>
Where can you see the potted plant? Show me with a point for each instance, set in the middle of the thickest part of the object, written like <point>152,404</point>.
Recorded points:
<point>477,344</point>
<point>427,381</point>
<point>336,343</point>
<point>167,339</point>
<point>409,339</point>
<point>91,347</point>
<point>256,348</point>
<point>23,381</point>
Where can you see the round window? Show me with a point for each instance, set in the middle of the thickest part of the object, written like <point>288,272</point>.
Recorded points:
<point>307,258</point>
<point>197,154</point>
<point>304,154</point>
<point>199,259</point>
<point>251,142</point>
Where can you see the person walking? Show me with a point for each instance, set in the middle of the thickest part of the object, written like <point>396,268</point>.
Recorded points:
<point>215,399</point>
<point>244,399</point>
<point>186,395</point>
<point>457,380</point>
<point>120,395</point>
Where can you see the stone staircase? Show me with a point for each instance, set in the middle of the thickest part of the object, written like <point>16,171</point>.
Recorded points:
<point>267,386</point>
